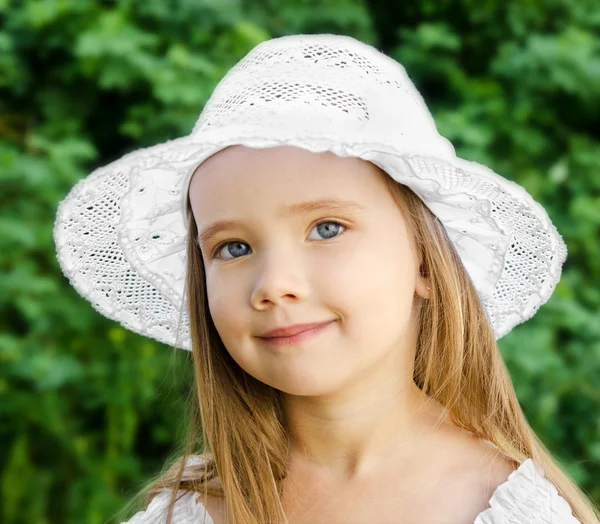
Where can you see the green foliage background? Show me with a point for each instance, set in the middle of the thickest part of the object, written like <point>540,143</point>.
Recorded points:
<point>88,410</point>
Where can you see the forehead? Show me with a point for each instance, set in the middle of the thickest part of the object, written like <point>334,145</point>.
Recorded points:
<point>281,175</point>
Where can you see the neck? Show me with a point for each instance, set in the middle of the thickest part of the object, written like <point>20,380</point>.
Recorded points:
<point>354,438</point>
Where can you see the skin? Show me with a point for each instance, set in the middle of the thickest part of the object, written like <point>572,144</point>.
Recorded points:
<point>355,417</point>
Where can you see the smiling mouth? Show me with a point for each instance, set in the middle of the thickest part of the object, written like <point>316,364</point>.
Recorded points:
<point>298,337</point>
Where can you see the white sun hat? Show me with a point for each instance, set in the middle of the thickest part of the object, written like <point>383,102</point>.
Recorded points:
<point>121,232</point>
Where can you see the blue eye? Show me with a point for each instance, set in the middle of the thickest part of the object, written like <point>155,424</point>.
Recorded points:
<point>236,243</point>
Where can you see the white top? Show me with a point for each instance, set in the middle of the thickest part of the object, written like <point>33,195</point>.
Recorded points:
<point>526,496</point>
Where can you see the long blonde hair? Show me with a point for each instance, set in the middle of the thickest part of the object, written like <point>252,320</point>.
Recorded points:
<point>243,442</point>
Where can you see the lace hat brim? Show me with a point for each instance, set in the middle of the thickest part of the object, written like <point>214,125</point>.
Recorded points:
<point>121,232</point>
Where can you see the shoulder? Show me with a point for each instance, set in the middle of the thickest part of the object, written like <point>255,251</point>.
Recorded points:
<point>489,467</point>
<point>511,492</point>
<point>473,471</point>
<point>485,486</point>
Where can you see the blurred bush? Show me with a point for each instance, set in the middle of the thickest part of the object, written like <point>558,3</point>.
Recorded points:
<point>89,410</point>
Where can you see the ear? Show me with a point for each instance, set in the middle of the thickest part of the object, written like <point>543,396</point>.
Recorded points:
<point>422,282</point>
<point>421,287</point>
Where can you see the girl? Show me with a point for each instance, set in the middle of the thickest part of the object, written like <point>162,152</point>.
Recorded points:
<point>341,279</point>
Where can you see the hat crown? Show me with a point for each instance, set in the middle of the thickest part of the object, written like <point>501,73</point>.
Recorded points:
<point>326,84</point>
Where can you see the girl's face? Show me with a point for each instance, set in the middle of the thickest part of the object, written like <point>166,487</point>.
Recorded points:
<point>355,266</point>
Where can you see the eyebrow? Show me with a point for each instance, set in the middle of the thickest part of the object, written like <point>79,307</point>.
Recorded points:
<point>326,204</point>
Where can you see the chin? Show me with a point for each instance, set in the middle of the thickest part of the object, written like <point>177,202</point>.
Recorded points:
<point>313,385</point>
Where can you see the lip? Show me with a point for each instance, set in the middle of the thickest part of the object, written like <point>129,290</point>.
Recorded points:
<point>300,336</point>
<point>294,329</point>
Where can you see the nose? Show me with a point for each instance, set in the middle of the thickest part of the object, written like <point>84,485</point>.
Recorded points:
<point>280,278</point>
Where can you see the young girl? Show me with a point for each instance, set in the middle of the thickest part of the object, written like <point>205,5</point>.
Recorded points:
<point>341,279</point>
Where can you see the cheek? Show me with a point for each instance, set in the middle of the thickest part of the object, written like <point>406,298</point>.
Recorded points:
<point>374,288</point>
<point>222,297</point>
<point>229,311</point>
